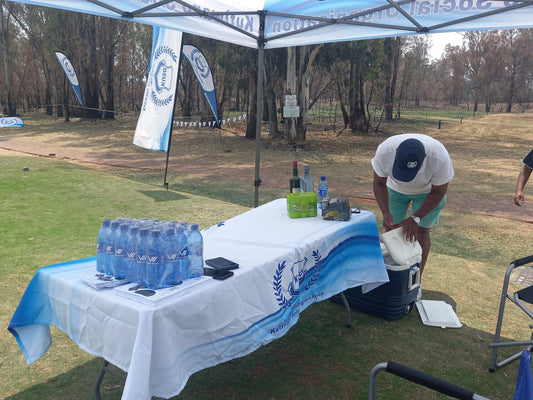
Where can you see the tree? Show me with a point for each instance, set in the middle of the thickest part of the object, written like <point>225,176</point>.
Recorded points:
<point>392,48</point>
<point>5,39</point>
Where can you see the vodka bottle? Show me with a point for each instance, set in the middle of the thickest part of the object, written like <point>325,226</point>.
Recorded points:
<point>308,184</point>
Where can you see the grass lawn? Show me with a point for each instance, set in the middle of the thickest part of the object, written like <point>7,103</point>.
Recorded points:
<point>51,213</point>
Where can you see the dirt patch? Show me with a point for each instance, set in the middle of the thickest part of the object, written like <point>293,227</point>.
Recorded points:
<point>206,152</point>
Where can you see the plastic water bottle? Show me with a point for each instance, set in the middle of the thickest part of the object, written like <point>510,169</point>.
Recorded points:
<point>142,255</point>
<point>196,252</point>
<point>110,248</point>
<point>154,264</point>
<point>131,253</point>
<point>183,255</point>
<point>100,245</point>
<point>308,184</point>
<point>120,267</point>
<point>322,191</point>
<point>170,259</point>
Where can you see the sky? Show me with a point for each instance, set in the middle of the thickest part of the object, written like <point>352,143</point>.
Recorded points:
<point>440,40</point>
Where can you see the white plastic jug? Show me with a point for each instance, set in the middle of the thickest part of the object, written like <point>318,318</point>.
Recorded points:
<point>401,250</point>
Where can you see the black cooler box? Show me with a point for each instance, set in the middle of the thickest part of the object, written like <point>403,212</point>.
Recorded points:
<point>391,300</point>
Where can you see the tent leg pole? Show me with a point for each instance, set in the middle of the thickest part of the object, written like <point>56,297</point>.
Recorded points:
<point>260,61</point>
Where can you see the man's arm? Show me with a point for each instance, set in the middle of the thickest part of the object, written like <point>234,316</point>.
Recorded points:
<point>431,201</point>
<point>381,194</point>
<point>523,177</point>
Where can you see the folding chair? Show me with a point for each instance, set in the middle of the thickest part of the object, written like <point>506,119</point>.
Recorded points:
<point>421,378</point>
<point>519,298</point>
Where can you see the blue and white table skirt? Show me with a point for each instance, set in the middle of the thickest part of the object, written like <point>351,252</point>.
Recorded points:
<point>285,265</point>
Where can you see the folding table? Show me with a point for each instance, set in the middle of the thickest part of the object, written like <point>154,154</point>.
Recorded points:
<point>285,265</point>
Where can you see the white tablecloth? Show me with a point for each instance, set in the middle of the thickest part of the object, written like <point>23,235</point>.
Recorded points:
<point>285,265</point>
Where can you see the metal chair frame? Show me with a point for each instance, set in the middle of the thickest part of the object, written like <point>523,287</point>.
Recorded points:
<point>528,344</point>
<point>421,378</point>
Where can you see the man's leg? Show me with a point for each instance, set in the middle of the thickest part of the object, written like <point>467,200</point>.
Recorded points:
<point>424,239</point>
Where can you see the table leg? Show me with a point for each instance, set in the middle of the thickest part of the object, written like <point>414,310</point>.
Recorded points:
<point>347,306</point>
<point>105,368</point>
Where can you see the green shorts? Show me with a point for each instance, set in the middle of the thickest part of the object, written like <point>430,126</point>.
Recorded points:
<point>399,203</point>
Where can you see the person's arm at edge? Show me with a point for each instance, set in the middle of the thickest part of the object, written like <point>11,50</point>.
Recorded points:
<point>523,177</point>
<point>381,194</point>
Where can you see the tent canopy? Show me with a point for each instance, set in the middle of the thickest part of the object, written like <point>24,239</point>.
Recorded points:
<point>282,23</point>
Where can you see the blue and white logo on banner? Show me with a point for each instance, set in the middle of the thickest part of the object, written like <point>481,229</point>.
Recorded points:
<point>71,74</point>
<point>203,74</point>
<point>7,122</point>
<point>155,121</point>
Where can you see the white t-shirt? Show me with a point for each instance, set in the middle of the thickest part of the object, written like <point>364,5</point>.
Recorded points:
<point>437,168</point>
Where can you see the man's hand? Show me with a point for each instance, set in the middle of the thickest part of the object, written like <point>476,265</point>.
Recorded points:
<point>388,223</point>
<point>410,228</point>
<point>519,198</point>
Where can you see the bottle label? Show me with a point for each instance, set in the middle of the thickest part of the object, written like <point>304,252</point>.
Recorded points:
<point>100,247</point>
<point>154,260</point>
<point>131,256</point>
<point>184,253</point>
<point>172,257</point>
<point>141,258</point>
<point>323,192</point>
<point>120,253</point>
<point>110,249</point>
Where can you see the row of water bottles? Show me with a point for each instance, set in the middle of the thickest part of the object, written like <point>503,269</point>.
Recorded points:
<point>148,252</point>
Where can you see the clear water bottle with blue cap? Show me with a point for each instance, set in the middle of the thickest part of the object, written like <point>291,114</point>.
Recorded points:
<point>131,253</point>
<point>154,263</point>
<point>170,258</point>
<point>120,268</point>
<point>183,254</point>
<point>142,255</point>
<point>110,248</point>
<point>196,255</point>
<point>322,191</point>
<point>100,245</point>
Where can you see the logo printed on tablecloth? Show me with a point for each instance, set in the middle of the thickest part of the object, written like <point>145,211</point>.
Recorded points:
<point>290,282</point>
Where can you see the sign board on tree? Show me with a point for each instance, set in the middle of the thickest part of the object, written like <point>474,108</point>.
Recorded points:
<point>291,111</point>
<point>290,100</point>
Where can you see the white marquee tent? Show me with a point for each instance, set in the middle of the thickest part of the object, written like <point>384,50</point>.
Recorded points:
<point>271,24</point>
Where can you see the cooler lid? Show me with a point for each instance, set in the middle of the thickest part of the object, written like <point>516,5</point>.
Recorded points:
<point>437,313</point>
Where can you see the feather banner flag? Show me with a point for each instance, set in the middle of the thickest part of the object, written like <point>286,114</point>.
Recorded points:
<point>155,121</point>
<point>71,74</point>
<point>203,74</point>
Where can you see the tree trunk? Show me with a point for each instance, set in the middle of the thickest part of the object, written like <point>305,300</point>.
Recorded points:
<point>290,123</point>
<point>90,72</point>
<point>271,102</point>
<point>358,121</point>
<point>9,107</point>
<point>392,49</point>
<point>345,116</point>
<point>307,58</point>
